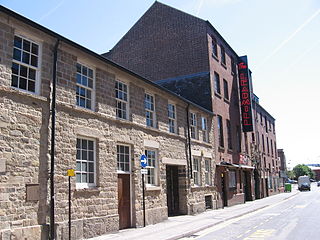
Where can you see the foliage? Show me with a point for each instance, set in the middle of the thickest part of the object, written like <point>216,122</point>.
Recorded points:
<point>301,170</point>
<point>290,174</point>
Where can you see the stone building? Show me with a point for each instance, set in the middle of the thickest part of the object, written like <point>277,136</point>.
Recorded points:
<point>106,117</point>
<point>187,55</point>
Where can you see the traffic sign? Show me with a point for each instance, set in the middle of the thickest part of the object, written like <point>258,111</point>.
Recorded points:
<point>143,160</point>
<point>144,171</point>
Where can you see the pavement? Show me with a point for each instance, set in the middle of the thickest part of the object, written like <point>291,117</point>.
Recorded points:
<point>186,225</point>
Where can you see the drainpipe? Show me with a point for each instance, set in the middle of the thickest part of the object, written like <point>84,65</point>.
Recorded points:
<point>189,141</point>
<point>53,125</point>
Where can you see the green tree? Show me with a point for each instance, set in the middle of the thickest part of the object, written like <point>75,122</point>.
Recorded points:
<point>301,170</point>
<point>290,174</point>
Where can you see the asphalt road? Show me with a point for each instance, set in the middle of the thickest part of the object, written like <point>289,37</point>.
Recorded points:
<point>297,218</point>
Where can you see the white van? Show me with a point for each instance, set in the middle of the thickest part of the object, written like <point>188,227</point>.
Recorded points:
<point>304,183</point>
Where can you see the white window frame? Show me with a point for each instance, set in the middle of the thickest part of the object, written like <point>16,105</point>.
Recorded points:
<point>172,118</point>
<point>193,125</point>
<point>87,88</point>
<point>196,170</point>
<point>122,101</point>
<point>207,171</point>
<point>152,168</point>
<point>150,112</point>
<point>28,66</point>
<point>128,155</point>
<point>204,128</point>
<point>81,185</point>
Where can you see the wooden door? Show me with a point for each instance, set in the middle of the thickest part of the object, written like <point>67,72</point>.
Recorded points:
<point>124,201</point>
<point>172,190</point>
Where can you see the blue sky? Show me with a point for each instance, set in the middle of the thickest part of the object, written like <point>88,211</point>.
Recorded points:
<point>280,37</point>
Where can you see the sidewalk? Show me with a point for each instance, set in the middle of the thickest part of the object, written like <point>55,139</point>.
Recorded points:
<point>182,226</point>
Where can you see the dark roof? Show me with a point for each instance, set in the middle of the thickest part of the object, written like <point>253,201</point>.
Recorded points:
<point>96,55</point>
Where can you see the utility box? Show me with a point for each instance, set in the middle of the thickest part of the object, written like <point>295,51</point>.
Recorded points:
<point>287,187</point>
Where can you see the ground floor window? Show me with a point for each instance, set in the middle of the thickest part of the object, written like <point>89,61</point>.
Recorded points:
<point>123,158</point>
<point>232,179</point>
<point>196,171</point>
<point>152,167</point>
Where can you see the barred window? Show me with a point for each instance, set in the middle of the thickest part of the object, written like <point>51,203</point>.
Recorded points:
<point>196,171</point>
<point>152,167</point>
<point>121,100</point>
<point>172,117</point>
<point>25,64</point>
<point>85,86</point>
<point>207,169</point>
<point>85,163</point>
<point>149,108</point>
<point>193,125</point>
<point>123,158</point>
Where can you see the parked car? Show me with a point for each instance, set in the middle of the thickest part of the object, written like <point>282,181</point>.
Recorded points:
<point>304,183</point>
<point>318,184</point>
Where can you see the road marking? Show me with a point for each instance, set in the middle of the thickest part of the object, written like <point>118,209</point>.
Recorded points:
<point>300,206</point>
<point>260,234</point>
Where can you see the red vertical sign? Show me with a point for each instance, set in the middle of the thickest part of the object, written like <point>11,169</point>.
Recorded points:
<point>245,94</point>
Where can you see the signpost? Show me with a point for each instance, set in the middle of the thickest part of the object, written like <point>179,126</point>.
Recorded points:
<point>70,173</point>
<point>144,163</point>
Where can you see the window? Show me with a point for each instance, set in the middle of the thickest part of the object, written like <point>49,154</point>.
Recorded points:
<point>196,171</point>
<point>123,158</point>
<point>220,131</point>
<point>204,127</point>
<point>233,65</point>
<point>226,90</point>
<point>266,123</point>
<point>239,138</point>
<point>172,117</point>
<point>223,55</point>
<point>263,146</point>
<point>84,86</point>
<point>152,167</point>
<point>149,107</point>
<point>217,83</point>
<point>268,146</point>
<point>207,171</point>
<point>229,135</point>
<point>193,125</point>
<point>121,100</point>
<point>25,64</point>
<point>232,179</point>
<point>85,163</point>
<point>214,47</point>
<point>271,147</point>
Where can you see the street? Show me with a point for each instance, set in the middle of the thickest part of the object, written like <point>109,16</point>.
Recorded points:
<point>295,218</point>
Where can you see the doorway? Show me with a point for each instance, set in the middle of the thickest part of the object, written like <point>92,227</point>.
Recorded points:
<point>172,190</point>
<point>124,206</point>
<point>223,189</point>
<point>247,186</point>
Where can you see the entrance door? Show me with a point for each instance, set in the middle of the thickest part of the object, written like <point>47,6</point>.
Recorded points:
<point>124,201</point>
<point>224,192</point>
<point>247,186</point>
<point>172,190</point>
<point>267,187</point>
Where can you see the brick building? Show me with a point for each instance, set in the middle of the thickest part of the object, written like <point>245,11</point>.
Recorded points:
<point>262,146</point>
<point>106,118</point>
<point>187,55</point>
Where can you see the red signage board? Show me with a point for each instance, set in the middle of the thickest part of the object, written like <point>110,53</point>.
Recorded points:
<point>245,94</point>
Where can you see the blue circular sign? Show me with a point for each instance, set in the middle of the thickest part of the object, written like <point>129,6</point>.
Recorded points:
<point>143,161</point>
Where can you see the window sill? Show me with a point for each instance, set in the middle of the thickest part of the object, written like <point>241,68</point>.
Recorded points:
<point>215,57</point>
<point>153,188</point>
<point>217,95</point>
<point>230,151</point>
<point>226,100</point>
<point>221,149</point>
<point>224,65</point>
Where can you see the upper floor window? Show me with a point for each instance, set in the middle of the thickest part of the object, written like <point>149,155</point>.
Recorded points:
<point>152,167</point>
<point>25,64</point>
<point>149,108</point>
<point>172,117</point>
<point>193,125</point>
<point>220,131</point>
<point>207,171</point>
<point>204,128</point>
<point>223,55</point>
<point>123,158</point>
<point>196,171</point>
<point>214,47</point>
<point>229,135</point>
<point>233,65</point>
<point>85,163</point>
<point>84,92</point>
<point>121,100</point>
<point>217,88</point>
<point>226,89</point>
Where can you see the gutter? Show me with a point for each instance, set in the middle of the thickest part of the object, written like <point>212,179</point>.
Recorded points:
<point>53,125</point>
<point>189,142</point>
